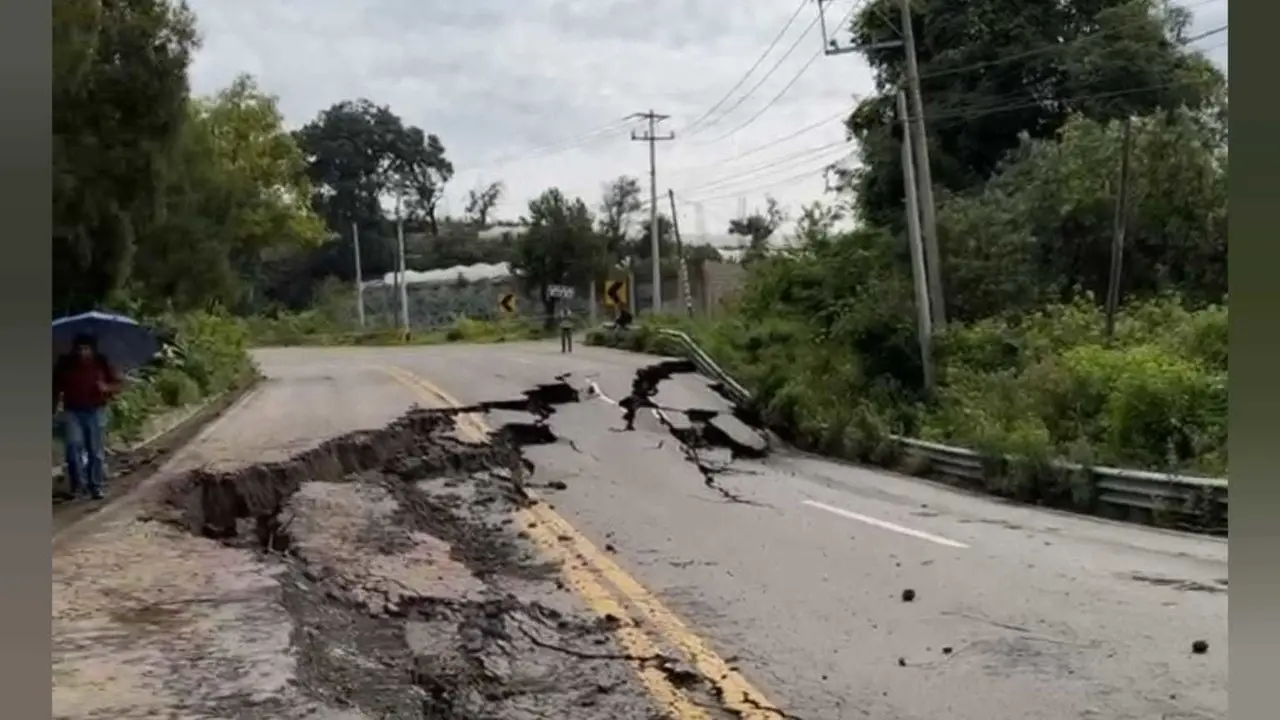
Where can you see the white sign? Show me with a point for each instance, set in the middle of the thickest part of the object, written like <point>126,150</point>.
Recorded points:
<point>560,291</point>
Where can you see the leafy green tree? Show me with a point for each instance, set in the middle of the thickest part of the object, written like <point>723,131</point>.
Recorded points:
<point>482,201</point>
<point>359,154</point>
<point>559,246</point>
<point>757,228</point>
<point>420,172</point>
<point>235,194</point>
<point>641,246</point>
<point>618,208</point>
<point>1041,229</point>
<point>992,70</point>
<point>119,104</point>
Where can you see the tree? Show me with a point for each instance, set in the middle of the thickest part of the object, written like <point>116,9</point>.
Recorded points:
<point>618,207</point>
<point>757,228</point>
<point>641,247</point>
<point>235,194</point>
<point>119,104</point>
<point>420,171</point>
<point>992,70</point>
<point>1041,229</point>
<point>481,202</point>
<point>559,247</point>
<point>358,154</point>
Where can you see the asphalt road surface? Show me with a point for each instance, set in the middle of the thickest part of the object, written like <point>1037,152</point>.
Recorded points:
<point>804,587</point>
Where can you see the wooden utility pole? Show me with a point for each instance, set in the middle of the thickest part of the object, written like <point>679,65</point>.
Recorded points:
<point>1117,237</point>
<point>653,139</point>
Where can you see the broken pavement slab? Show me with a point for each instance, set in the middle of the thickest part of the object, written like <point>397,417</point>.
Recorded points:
<point>375,575</point>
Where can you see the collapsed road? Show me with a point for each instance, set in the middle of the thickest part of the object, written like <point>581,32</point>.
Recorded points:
<point>327,551</point>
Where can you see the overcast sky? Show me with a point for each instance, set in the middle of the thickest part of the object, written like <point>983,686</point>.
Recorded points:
<point>501,80</point>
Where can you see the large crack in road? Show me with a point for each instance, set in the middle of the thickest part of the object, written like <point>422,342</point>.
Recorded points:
<point>476,640</point>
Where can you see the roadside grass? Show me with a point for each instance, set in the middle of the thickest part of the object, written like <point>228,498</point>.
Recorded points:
<point>1035,389</point>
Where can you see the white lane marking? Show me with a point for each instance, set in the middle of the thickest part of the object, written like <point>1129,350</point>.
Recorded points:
<point>885,524</point>
<point>595,391</point>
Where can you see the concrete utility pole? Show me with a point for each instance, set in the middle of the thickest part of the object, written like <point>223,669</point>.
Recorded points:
<point>684,267</point>
<point>924,314</point>
<point>355,244</point>
<point>402,270</point>
<point>1117,239</point>
<point>928,217</point>
<point>653,138</point>
<point>917,137</point>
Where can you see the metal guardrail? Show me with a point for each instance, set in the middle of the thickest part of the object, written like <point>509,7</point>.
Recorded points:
<point>708,366</point>
<point>1117,488</point>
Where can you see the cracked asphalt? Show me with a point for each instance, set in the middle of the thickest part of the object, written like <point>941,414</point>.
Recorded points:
<point>703,573</point>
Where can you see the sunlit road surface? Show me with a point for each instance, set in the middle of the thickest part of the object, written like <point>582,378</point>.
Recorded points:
<point>789,583</point>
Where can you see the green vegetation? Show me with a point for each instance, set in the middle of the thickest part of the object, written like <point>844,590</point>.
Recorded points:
<point>209,357</point>
<point>167,205</point>
<point>824,332</point>
<point>1043,387</point>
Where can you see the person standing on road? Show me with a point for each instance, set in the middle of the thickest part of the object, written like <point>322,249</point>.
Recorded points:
<point>566,331</point>
<point>84,383</point>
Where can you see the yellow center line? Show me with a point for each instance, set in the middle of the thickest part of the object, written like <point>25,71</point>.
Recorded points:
<point>738,695</point>
<point>578,577</point>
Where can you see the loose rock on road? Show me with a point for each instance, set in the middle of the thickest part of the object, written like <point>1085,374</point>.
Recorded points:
<point>319,553</point>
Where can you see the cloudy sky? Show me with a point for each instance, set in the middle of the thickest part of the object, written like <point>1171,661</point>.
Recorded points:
<point>535,92</point>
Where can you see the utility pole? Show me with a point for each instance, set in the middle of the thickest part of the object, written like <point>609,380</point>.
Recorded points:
<point>913,132</point>
<point>684,267</point>
<point>924,312</point>
<point>929,223</point>
<point>404,277</point>
<point>355,243</point>
<point>653,138</point>
<point>1117,238</point>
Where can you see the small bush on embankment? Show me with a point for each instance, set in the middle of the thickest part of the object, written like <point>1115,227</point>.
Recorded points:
<point>209,357</point>
<point>1036,388</point>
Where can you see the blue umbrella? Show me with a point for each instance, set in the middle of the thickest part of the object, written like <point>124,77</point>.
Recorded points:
<point>126,344</point>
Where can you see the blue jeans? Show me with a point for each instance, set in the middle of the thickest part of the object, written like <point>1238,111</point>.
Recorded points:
<point>84,439</point>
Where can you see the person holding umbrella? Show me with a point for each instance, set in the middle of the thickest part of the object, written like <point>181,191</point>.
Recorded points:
<point>93,351</point>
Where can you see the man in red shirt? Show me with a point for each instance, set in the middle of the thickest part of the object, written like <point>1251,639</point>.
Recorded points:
<point>84,382</point>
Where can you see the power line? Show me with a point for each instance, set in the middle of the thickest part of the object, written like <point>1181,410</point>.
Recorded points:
<point>787,160</point>
<point>787,87</point>
<point>970,114</point>
<point>776,141</point>
<point>808,173</point>
<point>552,148</point>
<point>764,79</point>
<point>1052,47</point>
<point>744,183</point>
<point>759,60</point>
